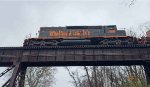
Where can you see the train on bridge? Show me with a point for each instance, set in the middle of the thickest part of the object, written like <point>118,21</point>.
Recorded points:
<point>84,35</point>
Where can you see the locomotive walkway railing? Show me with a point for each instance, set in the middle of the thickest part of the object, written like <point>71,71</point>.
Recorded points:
<point>22,57</point>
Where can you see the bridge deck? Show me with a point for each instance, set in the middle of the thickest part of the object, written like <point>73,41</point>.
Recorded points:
<point>75,55</point>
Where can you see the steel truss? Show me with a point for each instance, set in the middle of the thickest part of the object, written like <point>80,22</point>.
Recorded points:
<point>18,77</point>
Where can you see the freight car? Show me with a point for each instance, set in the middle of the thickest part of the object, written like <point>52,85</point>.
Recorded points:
<point>80,35</point>
<point>147,38</point>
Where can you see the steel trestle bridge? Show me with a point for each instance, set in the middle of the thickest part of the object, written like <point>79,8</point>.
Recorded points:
<point>20,58</point>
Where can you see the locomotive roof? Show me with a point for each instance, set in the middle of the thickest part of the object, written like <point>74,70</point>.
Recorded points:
<point>79,27</point>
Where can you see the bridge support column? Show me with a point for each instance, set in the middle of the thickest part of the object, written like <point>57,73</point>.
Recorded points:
<point>19,71</point>
<point>22,76</point>
<point>14,75</point>
<point>147,72</point>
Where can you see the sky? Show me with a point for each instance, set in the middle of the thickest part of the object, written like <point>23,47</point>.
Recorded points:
<point>19,18</point>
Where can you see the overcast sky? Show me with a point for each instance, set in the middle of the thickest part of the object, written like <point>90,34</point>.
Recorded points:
<point>19,18</point>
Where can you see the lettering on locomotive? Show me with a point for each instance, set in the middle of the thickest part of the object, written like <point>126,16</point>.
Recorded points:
<point>71,33</point>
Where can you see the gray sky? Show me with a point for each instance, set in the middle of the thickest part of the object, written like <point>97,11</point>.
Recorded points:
<point>19,18</point>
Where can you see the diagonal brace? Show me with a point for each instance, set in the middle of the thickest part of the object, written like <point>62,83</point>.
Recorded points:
<point>14,75</point>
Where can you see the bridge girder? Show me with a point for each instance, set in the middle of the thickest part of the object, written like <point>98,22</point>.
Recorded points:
<point>23,57</point>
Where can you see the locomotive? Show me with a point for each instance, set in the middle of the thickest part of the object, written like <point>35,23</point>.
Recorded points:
<point>81,35</point>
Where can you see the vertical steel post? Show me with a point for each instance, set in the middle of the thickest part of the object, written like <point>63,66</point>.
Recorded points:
<point>147,72</point>
<point>19,71</point>
<point>14,75</point>
<point>22,76</point>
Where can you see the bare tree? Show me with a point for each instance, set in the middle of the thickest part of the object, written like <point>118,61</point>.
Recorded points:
<point>40,76</point>
<point>132,2</point>
<point>109,76</point>
<point>75,79</point>
<point>144,27</point>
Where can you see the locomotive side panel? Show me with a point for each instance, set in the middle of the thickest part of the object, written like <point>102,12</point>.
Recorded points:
<point>80,32</point>
<point>65,33</point>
